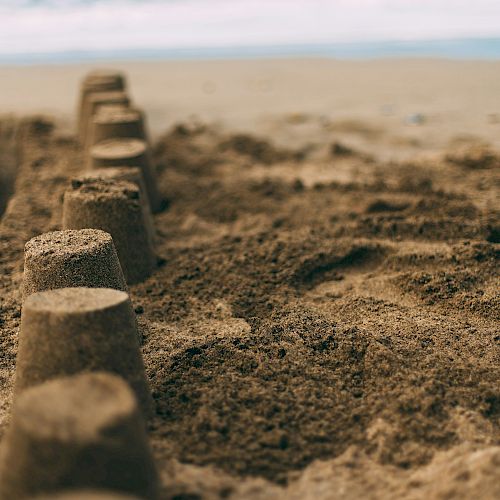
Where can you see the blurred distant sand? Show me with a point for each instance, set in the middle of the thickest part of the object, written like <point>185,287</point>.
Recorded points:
<point>425,103</point>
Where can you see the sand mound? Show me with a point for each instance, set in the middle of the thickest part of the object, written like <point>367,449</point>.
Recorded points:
<point>304,335</point>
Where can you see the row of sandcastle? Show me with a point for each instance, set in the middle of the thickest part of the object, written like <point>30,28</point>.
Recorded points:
<point>81,396</point>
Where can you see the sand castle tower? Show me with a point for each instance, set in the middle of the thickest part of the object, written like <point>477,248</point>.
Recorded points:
<point>111,122</point>
<point>128,174</point>
<point>73,330</point>
<point>97,81</point>
<point>122,151</point>
<point>114,207</point>
<point>59,259</point>
<point>93,102</point>
<point>80,432</point>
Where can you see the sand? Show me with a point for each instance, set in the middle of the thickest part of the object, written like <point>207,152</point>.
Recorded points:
<point>459,97</point>
<point>324,320</point>
<point>77,432</point>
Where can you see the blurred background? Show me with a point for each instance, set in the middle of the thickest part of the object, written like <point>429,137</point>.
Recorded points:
<point>394,63</point>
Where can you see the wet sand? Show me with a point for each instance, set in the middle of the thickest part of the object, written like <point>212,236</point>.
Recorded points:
<point>324,322</point>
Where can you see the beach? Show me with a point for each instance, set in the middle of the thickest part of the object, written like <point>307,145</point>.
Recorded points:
<point>454,97</point>
<point>323,321</point>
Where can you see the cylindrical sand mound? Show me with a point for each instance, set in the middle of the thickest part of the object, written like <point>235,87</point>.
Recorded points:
<point>73,330</point>
<point>71,258</point>
<point>81,432</point>
<point>129,174</point>
<point>97,81</point>
<point>115,207</point>
<point>132,153</point>
<point>110,122</point>
<point>93,101</point>
<point>104,75</point>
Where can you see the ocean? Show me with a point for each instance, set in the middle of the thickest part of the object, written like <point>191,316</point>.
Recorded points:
<point>485,49</point>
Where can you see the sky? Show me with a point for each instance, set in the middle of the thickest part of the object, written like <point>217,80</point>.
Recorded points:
<point>40,26</point>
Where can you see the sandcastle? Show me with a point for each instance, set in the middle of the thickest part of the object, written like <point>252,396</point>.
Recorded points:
<point>94,101</point>
<point>59,259</point>
<point>81,394</point>
<point>97,81</point>
<point>114,207</point>
<point>78,432</point>
<point>72,330</point>
<point>110,122</point>
<point>113,133</point>
<point>130,152</point>
<point>129,174</point>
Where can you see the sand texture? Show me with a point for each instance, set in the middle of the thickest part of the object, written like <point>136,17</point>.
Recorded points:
<point>324,320</point>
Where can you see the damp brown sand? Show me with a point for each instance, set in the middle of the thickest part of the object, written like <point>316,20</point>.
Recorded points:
<point>323,323</point>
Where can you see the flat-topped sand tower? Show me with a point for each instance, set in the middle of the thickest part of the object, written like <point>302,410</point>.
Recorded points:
<point>128,152</point>
<point>110,122</point>
<point>103,79</point>
<point>103,74</point>
<point>94,101</point>
<point>73,330</point>
<point>114,207</point>
<point>72,258</point>
<point>97,81</point>
<point>80,432</point>
<point>128,174</point>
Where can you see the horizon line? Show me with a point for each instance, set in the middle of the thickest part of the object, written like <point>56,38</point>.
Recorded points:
<point>482,48</point>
